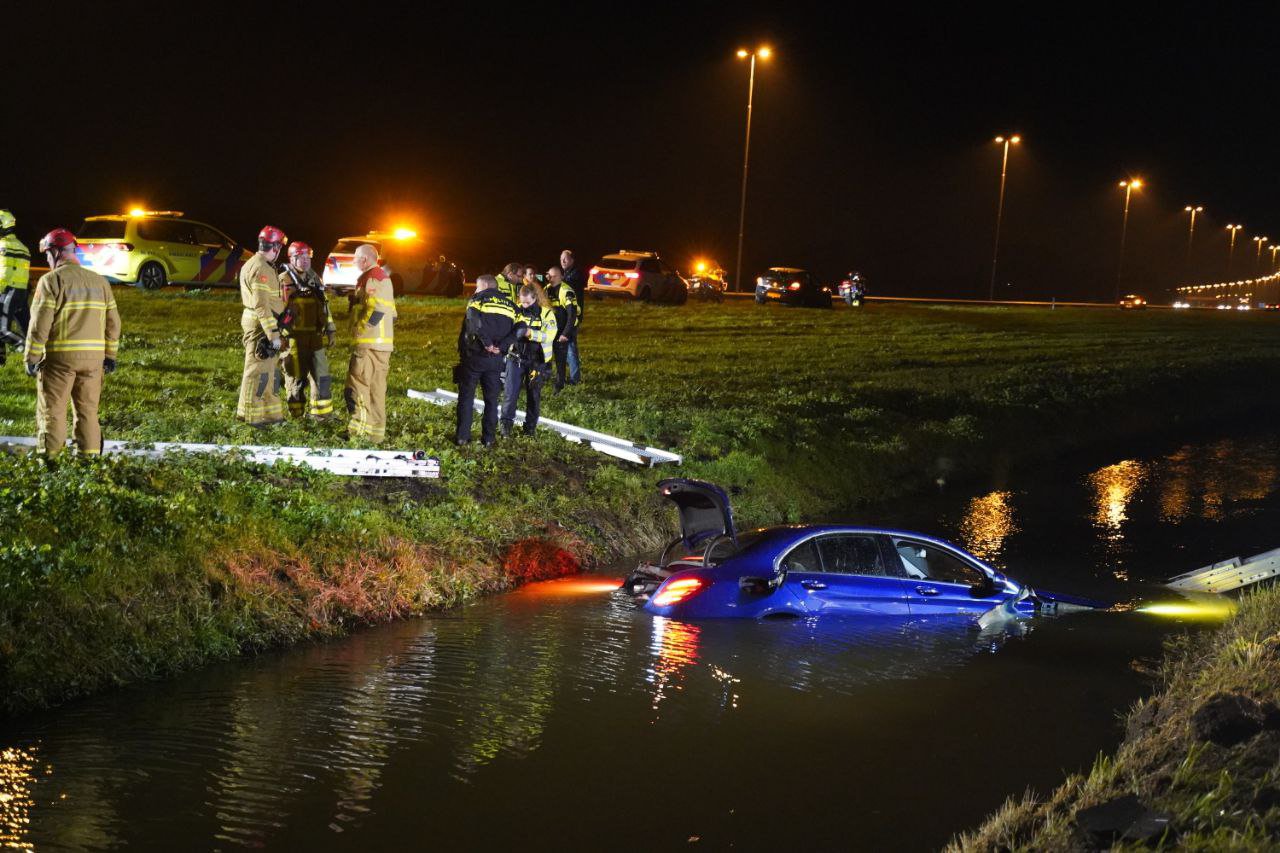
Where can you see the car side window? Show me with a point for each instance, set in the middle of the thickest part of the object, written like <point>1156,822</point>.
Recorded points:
<point>802,558</point>
<point>209,237</point>
<point>851,554</point>
<point>929,562</point>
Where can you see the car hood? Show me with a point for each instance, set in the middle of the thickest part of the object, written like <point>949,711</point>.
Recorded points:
<point>704,509</point>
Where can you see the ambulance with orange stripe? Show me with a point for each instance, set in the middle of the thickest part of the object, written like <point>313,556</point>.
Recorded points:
<point>152,248</point>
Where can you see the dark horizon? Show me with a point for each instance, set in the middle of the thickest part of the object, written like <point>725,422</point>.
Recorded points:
<point>871,146</point>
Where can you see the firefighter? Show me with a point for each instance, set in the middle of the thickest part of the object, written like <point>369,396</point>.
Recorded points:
<point>71,344</point>
<point>529,360</point>
<point>260,385</point>
<point>509,281</point>
<point>565,302</point>
<point>311,330</point>
<point>15,269</point>
<point>373,317</point>
<point>489,329</point>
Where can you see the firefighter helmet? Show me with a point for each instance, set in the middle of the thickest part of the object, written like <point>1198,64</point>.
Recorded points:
<point>300,248</point>
<point>7,221</point>
<point>271,234</point>
<point>57,240</point>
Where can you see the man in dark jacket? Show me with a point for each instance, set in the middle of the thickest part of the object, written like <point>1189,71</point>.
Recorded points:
<point>488,330</point>
<point>576,279</point>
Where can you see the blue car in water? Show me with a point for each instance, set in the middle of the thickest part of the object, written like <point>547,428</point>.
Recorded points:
<point>803,570</point>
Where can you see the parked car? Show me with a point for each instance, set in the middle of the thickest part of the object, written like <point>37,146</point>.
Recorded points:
<point>852,289</point>
<point>791,286</point>
<point>155,247</point>
<point>1132,300</point>
<point>639,275</point>
<point>802,570</point>
<point>406,257</point>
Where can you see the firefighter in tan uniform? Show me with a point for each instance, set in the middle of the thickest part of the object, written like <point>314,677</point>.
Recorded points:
<point>373,314</point>
<point>260,404</point>
<point>71,343</point>
<point>311,330</point>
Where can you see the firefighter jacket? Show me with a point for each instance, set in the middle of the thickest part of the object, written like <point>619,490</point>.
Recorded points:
<point>490,321</point>
<point>541,322</point>
<point>15,263</point>
<point>73,315</point>
<point>565,303</point>
<point>509,289</point>
<point>260,295</point>
<point>307,305</point>
<point>373,312</point>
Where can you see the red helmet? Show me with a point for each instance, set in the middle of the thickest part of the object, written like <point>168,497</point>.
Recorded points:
<point>299,248</point>
<point>272,234</point>
<point>58,238</point>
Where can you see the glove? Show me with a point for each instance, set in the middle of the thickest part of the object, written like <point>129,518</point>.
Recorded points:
<point>267,348</point>
<point>33,367</point>
<point>108,366</point>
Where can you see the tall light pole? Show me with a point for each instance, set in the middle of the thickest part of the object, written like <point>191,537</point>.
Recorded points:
<point>743,53</point>
<point>1231,247</point>
<point>1005,141</point>
<point>1273,248</point>
<point>1191,232</point>
<point>1129,186</point>
<point>1257,260</point>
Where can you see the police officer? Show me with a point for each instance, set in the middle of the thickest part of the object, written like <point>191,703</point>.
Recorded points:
<point>373,314</point>
<point>260,404</point>
<point>565,303</point>
<point>488,330</point>
<point>529,360</point>
<point>576,279</point>
<point>15,269</point>
<point>508,281</point>
<point>311,329</point>
<point>71,344</point>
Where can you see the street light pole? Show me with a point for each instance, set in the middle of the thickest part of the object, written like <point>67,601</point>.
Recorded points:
<point>1129,186</point>
<point>1257,260</point>
<point>1231,248</point>
<point>1273,248</point>
<point>1004,171</point>
<point>764,53</point>
<point>1191,232</point>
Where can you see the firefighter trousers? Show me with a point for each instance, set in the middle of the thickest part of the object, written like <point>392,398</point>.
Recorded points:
<point>62,379</point>
<point>306,376</point>
<point>260,385</point>
<point>366,393</point>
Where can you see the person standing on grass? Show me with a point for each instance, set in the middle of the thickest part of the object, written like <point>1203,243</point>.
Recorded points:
<point>489,328</point>
<point>71,344</point>
<point>260,384</point>
<point>306,365</point>
<point>565,304</point>
<point>576,279</point>
<point>530,361</point>
<point>373,315</point>
<point>15,270</point>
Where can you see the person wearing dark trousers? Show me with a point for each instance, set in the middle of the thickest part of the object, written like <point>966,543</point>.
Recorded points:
<point>565,305</point>
<point>529,360</point>
<point>489,329</point>
<point>576,279</point>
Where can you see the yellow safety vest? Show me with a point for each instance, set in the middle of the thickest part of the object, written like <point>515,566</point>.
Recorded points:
<point>15,263</point>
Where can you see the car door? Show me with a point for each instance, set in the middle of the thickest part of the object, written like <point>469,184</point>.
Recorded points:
<point>845,573</point>
<point>220,258</point>
<point>181,249</point>
<point>942,581</point>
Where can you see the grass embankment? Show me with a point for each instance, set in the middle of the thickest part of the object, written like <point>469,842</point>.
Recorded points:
<point>118,570</point>
<point>1203,754</point>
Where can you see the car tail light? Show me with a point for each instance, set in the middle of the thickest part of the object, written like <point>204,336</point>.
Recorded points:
<point>595,271</point>
<point>795,285</point>
<point>633,275</point>
<point>679,589</point>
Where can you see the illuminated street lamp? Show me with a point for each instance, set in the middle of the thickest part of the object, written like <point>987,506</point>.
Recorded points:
<point>1004,141</point>
<point>1191,232</point>
<point>743,53</point>
<point>1257,259</point>
<point>1273,248</point>
<point>1231,249</point>
<point>1129,186</point>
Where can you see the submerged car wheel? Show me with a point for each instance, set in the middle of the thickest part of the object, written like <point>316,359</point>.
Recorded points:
<point>152,276</point>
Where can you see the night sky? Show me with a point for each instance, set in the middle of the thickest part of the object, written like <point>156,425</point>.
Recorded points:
<point>510,138</point>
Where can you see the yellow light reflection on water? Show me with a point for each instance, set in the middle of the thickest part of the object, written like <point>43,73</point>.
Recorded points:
<point>1114,487</point>
<point>987,523</point>
<point>17,777</point>
<point>1211,609</point>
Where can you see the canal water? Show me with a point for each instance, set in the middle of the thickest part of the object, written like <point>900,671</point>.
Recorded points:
<point>560,716</point>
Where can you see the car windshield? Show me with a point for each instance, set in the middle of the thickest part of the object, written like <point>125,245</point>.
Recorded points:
<point>348,247</point>
<point>617,264</point>
<point>101,229</point>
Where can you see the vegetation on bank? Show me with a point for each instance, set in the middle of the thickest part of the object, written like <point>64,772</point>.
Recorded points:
<point>1200,758</point>
<point>116,570</point>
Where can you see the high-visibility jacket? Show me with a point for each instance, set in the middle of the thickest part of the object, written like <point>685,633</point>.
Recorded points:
<point>260,296</point>
<point>304,296</point>
<point>373,315</point>
<point>509,289</point>
<point>491,320</point>
<point>73,314</point>
<point>15,263</point>
<point>542,329</point>
<point>565,302</point>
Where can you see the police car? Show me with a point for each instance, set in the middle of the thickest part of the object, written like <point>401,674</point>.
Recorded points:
<point>404,255</point>
<point>151,248</point>
<point>639,275</point>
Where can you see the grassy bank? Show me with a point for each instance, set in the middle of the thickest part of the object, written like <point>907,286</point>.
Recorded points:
<point>1201,754</point>
<point>119,570</point>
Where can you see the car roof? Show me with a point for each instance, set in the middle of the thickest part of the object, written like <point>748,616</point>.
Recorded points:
<point>787,534</point>
<point>630,255</point>
<point>786,269</point>
<point>167,216</point>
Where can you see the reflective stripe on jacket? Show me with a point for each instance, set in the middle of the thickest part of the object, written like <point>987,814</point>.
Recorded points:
<point>15,263</point>
<point>509,289</point>
<point>260,296</point>
<point>73,312</point>
<point>542,327</point>
<point>373,317</point>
